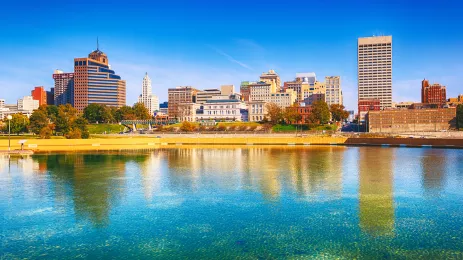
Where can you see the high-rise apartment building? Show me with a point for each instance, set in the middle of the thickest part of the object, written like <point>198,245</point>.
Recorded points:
<point>271,76</point>
<point>433,94</point>
<point>51,96</point>
<point>150,101</point>
<point>96,83</point>
<point>179,96</point>
<point>375,69</point>
<point>39,94</point>
<point>64,88</point>
<point>333,93</point>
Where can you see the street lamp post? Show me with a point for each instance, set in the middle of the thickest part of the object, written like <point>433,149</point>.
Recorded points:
<point>9,117</point>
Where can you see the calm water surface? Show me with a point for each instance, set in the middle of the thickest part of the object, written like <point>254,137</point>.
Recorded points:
<point>271,203</point>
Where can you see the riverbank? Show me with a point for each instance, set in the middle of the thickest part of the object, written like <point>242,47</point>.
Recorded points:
<point>139,142</point>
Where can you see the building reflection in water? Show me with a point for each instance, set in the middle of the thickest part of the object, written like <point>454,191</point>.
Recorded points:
<point>433,166</point>
<point>93,182</point>
<point>376,202</point>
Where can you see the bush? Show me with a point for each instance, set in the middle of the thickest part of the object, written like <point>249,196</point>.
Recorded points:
<point>202,128</point>
<point>253,127</point>
<point>45,132</point>
<point>187,126</point>
<point>74,134</point>
<point>243,127</point>
<point>232,128</point>
<point>221,128</point>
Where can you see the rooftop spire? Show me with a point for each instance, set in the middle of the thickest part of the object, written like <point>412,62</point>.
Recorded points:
<point>97,44</point>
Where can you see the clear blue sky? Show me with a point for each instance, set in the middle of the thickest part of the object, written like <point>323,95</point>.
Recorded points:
<point>207,43</point>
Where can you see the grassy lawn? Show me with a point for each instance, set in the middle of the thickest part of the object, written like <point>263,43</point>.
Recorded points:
<point>226,124</point>
<point>293,128</point>
<point>20,137</point>
<point>109,128</point>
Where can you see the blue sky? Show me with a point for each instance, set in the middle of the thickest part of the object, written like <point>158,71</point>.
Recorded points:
<point>207,43</point>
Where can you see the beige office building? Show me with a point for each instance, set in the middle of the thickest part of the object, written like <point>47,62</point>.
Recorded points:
<point>333,93</point>
<point>179,96</point>
<point>271,76</point>
<point>375,69</point>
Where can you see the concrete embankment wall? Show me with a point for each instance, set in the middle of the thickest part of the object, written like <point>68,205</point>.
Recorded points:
<point>52,145</point>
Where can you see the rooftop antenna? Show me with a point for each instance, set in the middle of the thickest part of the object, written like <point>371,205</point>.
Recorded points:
<point>97,44</point>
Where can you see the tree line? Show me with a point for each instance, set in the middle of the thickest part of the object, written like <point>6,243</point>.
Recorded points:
<point>320,114</point>
<point>65,120</point>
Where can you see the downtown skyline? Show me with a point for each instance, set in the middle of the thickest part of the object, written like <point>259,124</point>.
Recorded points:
<point>203,55</point>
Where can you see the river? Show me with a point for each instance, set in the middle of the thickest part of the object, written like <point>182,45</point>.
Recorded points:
<point>234,202</point>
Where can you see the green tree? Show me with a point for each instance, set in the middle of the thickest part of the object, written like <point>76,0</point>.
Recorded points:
<point>291,115</point>
<point>107,115</point>
<point>460,116</point>
<point>125,113</point>
<point>141,112</point>
<point>38,120</point>
<point>19,124</point>
<point>67,115</point>
<point>274,112</point>
<point>338,112</point>
<point>52,113</point>
<point>93,113</point>
<point>320,113</point>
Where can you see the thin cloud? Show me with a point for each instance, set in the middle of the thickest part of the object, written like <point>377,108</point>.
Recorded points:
<point>230,58</point>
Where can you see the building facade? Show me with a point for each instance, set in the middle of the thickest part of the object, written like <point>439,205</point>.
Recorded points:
<point>180,95</point>
<point>96,83</point>
<point>164,107</point>
<point>271,76</point>
<point>368,105</point>
<point>283,99</point>
<point>333,94</point>
<point>245,90</point>
<point>204,95</point>
<point>375,69</point>
<point>64,88</point>
<point>27,104</point>
<point>221,110</point>
<point>39,94</point>
<point>150,101</point>
<point>257,111</point>
<point>51,96</point>
<point>227,90</point>
<point>411,120</point>
<point>433,94</point>
<point>455,101</point>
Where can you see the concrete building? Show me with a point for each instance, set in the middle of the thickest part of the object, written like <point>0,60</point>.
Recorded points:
<point>375,69</point>
<point>285,99</point>
<point>245,90</point>
<point>271,76</point>
<point>261,91</point>
<point>227,90</point>
<point>411,120</point>
<point>309,77</point>
<point>333,94</point>
<point>39,94</point>
<point>164,107</point>
<point>187,111</point>
<point>402,105</point>
<point>257,111</point>
<point>221,109</point>
<point>433,94</point>
<point>150,101</point>
<point>28,104</point>
<point>180,95</point>
<point>64,88</point>
<point>204,95</point>
<point>96,83</point>
<point>51,96</point>
<point>453,102</point>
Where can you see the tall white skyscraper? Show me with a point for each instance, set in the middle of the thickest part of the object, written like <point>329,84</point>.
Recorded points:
<point>150,101</point>
<point>375,70</point>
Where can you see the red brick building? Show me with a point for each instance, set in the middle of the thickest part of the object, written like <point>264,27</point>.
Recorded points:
<point>433,94</point>
<point>39,94</point>
<point>368,105</point>
<point>304,111</point>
